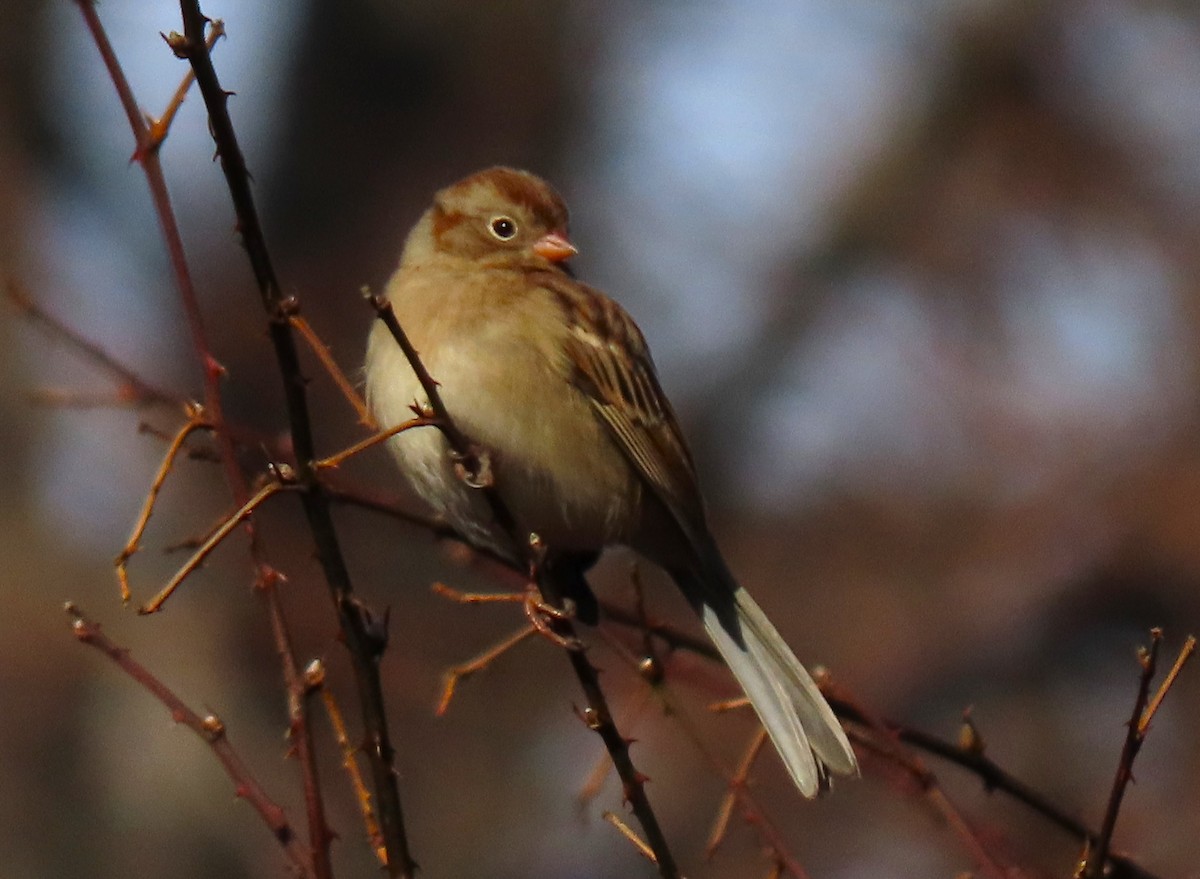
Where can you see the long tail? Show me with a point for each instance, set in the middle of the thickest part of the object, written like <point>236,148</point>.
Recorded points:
<point>802,726</point>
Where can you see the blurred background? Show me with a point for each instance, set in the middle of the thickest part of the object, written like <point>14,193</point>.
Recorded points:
<point>920,277</point>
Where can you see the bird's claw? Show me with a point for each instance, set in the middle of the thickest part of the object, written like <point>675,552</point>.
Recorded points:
<point>542,617</point>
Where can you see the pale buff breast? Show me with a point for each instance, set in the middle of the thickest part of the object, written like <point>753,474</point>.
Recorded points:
<point>506,386</point>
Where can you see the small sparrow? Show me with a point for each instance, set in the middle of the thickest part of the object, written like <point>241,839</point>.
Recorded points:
<point>553,382</point>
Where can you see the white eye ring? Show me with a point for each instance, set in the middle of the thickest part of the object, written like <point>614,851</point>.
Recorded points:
<point>502,227</point>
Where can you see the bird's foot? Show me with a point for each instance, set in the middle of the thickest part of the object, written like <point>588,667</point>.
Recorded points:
<point>543,615</point>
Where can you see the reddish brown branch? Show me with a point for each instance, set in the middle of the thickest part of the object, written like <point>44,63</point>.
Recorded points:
<point>299,730</point>
<point>211,730</point>
<point>135,387</point>
<point>890,752</point>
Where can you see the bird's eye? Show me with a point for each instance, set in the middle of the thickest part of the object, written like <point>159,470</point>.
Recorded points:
<point>503,228</point>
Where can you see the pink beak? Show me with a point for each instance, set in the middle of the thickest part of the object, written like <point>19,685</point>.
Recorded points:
<point>555,247</point>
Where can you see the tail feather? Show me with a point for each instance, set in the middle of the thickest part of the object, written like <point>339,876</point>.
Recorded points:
<point>824,730</point>
<point>800,723</point>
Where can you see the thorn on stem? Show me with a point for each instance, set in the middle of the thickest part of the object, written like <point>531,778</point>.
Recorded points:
<point>180,46</point>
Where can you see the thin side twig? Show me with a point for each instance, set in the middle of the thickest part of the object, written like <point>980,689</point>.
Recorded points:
<point>336,460</point>
<point>456,674</point>
<point>736,787</point>
<point>325,356</point>
<point>1185,653</point>
<point>159,127</point>
<point>134,388</point>
<point>154,605</point>
<point>315,677</point>
<point>626,831</point>
<point>196,420</point>
<point>211,730</point>
<point>1092,866</point>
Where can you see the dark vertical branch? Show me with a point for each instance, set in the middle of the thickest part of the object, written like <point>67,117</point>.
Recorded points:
<point>148,140</point>
<point>1093,866</point>
<point>364,646</point>
<point>599,719</point>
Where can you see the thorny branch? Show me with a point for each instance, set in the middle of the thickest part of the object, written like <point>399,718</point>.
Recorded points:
<point>148,138</point>
<point>211,730</point>
<point>654,673</point>
<point>1144,709</point>
<point>363,644</point>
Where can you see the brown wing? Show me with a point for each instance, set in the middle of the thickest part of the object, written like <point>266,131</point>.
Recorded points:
<point>614,370</point>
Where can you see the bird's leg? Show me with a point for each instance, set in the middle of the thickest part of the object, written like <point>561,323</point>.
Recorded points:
<point>542,616</point>
<point>540,612</point>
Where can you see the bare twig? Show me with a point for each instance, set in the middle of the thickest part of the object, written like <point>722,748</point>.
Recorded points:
<point>362,643</point>
<point>459,673</point>
<point>315,678</point>
<point>211,730</point>
<point>626,831</point>
<point>336,460</point>
<point>70,398</point>
<point>1185,653</point>
<point>1096,855</point>
<point>195,421</point>
<point>134,387</point>
<point>214,540</point>
<point>323,354</point>
<point>737,784</point>
<point>158,128</point>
